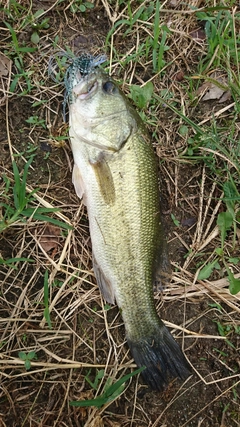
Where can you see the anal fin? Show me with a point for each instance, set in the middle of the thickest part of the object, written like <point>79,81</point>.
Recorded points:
<point>104,284</point>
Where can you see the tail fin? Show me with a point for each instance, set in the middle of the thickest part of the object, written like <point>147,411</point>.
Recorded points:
<point>162,357</point>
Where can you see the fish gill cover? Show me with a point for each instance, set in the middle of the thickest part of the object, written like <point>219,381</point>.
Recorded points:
<point>80,67</point>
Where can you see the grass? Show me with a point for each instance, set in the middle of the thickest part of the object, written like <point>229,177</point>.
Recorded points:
<point>110,393</point>
<point>21,210</point>
<point>56,334</point>
<point>80,6</point>
<point>17,53</point>
<point>211,140</point>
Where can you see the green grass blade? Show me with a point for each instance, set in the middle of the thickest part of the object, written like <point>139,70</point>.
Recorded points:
<point>11,261</point>
<point>156,33</point>
<point>224,222</point>
<point>22,196</point>
<point>97,402</point>
<point>19,188</point>
<point>162,48</point>
<point>17,185</point>
<point>114,387</point>
<point>54,221</point>
<point>13,34</point>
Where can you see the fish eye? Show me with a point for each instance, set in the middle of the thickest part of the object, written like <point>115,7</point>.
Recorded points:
<point>109,87</point>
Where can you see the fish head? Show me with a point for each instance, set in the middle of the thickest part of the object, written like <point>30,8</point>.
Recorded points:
<point>99,112</point>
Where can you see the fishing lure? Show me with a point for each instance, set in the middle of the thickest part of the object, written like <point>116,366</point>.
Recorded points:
<point>80,67</point>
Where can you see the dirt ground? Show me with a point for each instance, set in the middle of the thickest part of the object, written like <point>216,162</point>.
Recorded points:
<point>86,336</point>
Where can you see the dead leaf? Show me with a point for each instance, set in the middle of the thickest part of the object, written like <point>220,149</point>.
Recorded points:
<point>5,65</point>
<point>198,34</point>
<point>188,222</point>
<point>179,76</point>
<point>215,88</point>
<point>50,238</point>
<point>203,89</point>
<point>226,96</point>
<point>213,92</point>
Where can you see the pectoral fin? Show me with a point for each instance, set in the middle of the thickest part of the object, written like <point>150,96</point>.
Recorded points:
<point>104,284</point>
<point>78,182</point>
<point>105,180</point>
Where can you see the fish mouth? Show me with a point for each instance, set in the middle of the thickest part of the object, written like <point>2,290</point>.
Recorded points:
<point>86,88</point>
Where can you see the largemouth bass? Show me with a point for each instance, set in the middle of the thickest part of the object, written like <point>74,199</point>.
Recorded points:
<point>115,172</point>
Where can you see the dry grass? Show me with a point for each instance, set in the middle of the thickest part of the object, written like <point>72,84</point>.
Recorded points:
<point>84,334</point>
